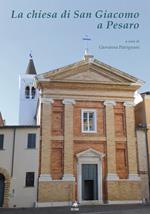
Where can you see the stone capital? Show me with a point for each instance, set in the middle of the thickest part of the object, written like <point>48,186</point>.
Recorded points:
<point>68,101</point>
<point>128,104</point>
<point>46,100</point>
<point>109,103</point>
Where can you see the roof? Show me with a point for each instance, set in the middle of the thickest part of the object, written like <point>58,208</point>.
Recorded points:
<point>146,93</point>
<point>31,67</point>
<point>20,127</point>
<point>89,70</point>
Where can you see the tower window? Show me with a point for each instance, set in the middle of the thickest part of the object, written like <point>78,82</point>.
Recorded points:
<point>27,92</point>
<point>33,92</point>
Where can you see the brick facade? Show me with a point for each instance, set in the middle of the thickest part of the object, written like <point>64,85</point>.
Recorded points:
<point>63,139</point>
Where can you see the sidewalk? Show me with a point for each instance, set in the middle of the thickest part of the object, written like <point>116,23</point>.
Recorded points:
<point>98,209</point>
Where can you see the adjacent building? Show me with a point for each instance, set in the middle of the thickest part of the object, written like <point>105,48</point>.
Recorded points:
<point>142,115</point>
<point>142,119</point>
<point>19,164</point>
<point>143,162</point>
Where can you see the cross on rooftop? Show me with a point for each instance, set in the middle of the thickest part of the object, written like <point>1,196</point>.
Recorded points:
<point>30,55</point>
<point>86,38</point>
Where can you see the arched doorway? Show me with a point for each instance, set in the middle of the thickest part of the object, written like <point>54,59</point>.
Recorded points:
<point>2,188</point>
<point>5,183</point>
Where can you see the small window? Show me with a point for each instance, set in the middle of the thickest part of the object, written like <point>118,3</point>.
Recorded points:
<point>31,141</point>
<point>1,141</point>
<point>88,120</point>
<point>33,92</point>
<point>29,179</point>
<point>27,92</point>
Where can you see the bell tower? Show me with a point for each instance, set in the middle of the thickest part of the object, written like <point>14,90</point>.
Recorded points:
<point>28,95</point>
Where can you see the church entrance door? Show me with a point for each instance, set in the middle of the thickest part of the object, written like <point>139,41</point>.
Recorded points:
<point>89,182</point>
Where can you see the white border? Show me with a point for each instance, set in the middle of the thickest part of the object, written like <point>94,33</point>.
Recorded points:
<point>95,120</point>
<point>90,156</point>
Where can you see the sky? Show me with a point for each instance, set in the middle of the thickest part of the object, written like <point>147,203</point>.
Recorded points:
<point>56,42</point>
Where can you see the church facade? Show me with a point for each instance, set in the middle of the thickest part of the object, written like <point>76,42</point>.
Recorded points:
<point>88,146</point>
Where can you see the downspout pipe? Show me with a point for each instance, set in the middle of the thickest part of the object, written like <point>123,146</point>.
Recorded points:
<point>148,159</point>
<point>145,128</point>
<point>13,153</point>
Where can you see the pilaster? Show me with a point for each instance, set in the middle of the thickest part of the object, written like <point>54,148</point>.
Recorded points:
<point>110,136</point>
<point>68,140</point>
<point>131,140</point>
<point>45,138</point>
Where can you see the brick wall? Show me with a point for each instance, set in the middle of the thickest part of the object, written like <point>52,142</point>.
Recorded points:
<point>84,141</point>
<point>99,107</point>
<point>57,160</point>
<point>82,145</point>
<point>57,118</point>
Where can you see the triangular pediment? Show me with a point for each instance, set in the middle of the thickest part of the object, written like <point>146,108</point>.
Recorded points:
<point>85,71</point>
<point>90,153</point>
<point>89,75</point>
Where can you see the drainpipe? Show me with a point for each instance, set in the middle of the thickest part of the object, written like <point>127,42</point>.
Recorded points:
<point>13,153</point>
<point>12,161</point>
<point>148,163</point>
<point>144,127</point>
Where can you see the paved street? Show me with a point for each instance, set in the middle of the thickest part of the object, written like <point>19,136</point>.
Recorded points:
<point>103,209</point>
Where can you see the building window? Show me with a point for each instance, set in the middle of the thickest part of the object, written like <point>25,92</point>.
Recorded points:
<point>1,141</point>
<point>88,120</point>
<point>29,179</point>
<point>33,92</point>
<point>27,92</point>
<point>31,141</point>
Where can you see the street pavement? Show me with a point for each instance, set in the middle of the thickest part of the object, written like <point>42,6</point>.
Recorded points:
<point>98,209</point>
